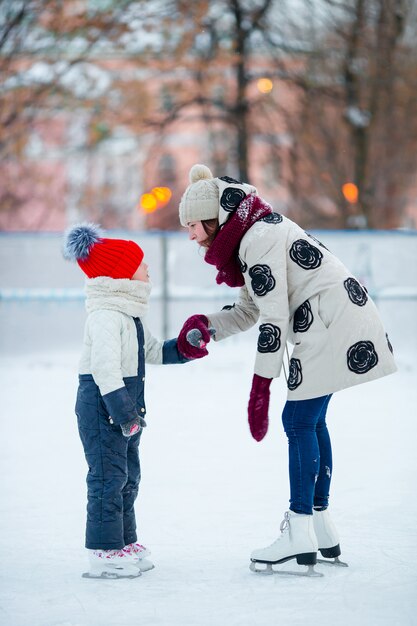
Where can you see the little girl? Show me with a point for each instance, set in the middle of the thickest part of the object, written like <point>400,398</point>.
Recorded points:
<point>110,404</point>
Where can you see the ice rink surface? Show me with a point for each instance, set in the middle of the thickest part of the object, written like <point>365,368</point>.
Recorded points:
<point>209,495</point>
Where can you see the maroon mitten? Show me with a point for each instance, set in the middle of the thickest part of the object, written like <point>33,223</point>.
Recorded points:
<point>195,322</point>
<point>258,407</point>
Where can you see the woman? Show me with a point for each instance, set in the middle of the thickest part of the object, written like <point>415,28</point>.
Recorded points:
<point>301,293</point>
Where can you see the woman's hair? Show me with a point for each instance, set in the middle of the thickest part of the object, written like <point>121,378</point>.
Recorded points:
<point>211,227</point>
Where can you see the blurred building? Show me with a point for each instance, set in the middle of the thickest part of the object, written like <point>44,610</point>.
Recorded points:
<point>93,140</point>
<point>71,167</point>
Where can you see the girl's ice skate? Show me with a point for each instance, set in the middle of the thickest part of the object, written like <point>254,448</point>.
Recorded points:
<point>111,564</point>
<point>297,541</point>
<point>138,552</point>
<point>328,538</point>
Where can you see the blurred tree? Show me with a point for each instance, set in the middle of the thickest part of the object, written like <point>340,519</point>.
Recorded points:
<point>355,102</point>
<point>299,98</point>
<point>217,54</point>
<point>111,62</point>
<point>53,72</point>
<point>217,43</point>
<point>338,75</point>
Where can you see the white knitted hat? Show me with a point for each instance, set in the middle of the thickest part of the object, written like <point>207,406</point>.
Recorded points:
<point>200,200</point>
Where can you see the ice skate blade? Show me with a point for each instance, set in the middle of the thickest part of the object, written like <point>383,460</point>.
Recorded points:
<point>110,575</point>
<point>113,572</point>
<point>336,562</point>
<point>268,570</point>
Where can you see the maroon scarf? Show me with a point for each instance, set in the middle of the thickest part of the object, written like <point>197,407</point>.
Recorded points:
<point>223,252</point>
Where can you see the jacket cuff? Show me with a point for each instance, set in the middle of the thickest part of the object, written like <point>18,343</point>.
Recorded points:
<point>120,406</point>
<point>171,354</point>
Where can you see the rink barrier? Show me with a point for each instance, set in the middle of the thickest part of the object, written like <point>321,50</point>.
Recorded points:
<point>75,294</point>
<point>166,293</point>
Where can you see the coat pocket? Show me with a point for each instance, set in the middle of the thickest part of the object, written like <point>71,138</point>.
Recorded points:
<point>322,312</point>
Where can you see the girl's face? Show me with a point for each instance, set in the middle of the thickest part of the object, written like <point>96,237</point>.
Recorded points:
<point>196,232</point>
<point>141,273</point>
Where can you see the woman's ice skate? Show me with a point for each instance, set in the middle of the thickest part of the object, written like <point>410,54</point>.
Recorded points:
<point>138,552</point>
<point>328,538</point>
<point>297,541</point>
<point>111,564</point>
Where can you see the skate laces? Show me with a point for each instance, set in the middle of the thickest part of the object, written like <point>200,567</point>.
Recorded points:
<point>109,554</point>
<point>285,522</point>
<point>284,525</point>
<point>134,548</point>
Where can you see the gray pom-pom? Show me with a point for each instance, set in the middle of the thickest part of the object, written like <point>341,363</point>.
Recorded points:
<point>78,241</point>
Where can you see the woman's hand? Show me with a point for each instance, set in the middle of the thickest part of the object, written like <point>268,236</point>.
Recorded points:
<point>258,407</point>
<point>186,348</point>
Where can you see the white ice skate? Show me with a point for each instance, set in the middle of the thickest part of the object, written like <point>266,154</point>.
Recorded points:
<point>138,552</point>
<point>328,538</point>
<point>111,564</point>
<point>297,541</point>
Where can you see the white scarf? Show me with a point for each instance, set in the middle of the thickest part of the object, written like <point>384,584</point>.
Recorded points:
<point>117,294</point>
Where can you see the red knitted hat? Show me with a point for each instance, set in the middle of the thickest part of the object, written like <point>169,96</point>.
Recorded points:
<point>99,256</point>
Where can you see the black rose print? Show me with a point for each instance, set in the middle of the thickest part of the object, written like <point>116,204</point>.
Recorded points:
<point>231,198</point>
<point>361,357</point>
<point>303,318</point>
<point>262,279</point>
<point>242,265</point>
<point>295,375</point>
<point>356,292</point>
<point>272,218</point>
<point>228,307</point>
<point>389,343</point>
<point>305,255</point>
<point>316,240</point>
<point>227,179</point>
<point>269,339</point>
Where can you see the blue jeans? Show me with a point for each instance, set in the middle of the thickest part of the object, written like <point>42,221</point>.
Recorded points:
<point>310,453</point>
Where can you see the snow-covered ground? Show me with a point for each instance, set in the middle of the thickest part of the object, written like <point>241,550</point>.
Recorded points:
<point>209,495</point>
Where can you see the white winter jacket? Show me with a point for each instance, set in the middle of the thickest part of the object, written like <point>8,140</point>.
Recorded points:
<point>116,346</point>
<point>301,293</point>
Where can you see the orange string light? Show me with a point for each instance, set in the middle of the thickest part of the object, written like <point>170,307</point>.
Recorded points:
<point>148,203</point>
<point>350,192</point>
<point>155,199</point>
<point>162,194</point>
<point>265,85</point>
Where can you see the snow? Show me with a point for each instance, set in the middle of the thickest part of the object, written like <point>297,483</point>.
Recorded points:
<point>209,495</point>
<point>85,80</point>
<point>358,117</point>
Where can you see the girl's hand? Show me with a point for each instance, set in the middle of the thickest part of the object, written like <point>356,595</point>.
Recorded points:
<point>133,426</point>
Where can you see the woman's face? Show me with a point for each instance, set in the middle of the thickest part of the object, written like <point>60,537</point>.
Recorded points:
<point>196,232</point>
<point>141,273</point>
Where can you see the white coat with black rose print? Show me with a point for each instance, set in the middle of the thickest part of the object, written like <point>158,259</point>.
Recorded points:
<point>299,292</point>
